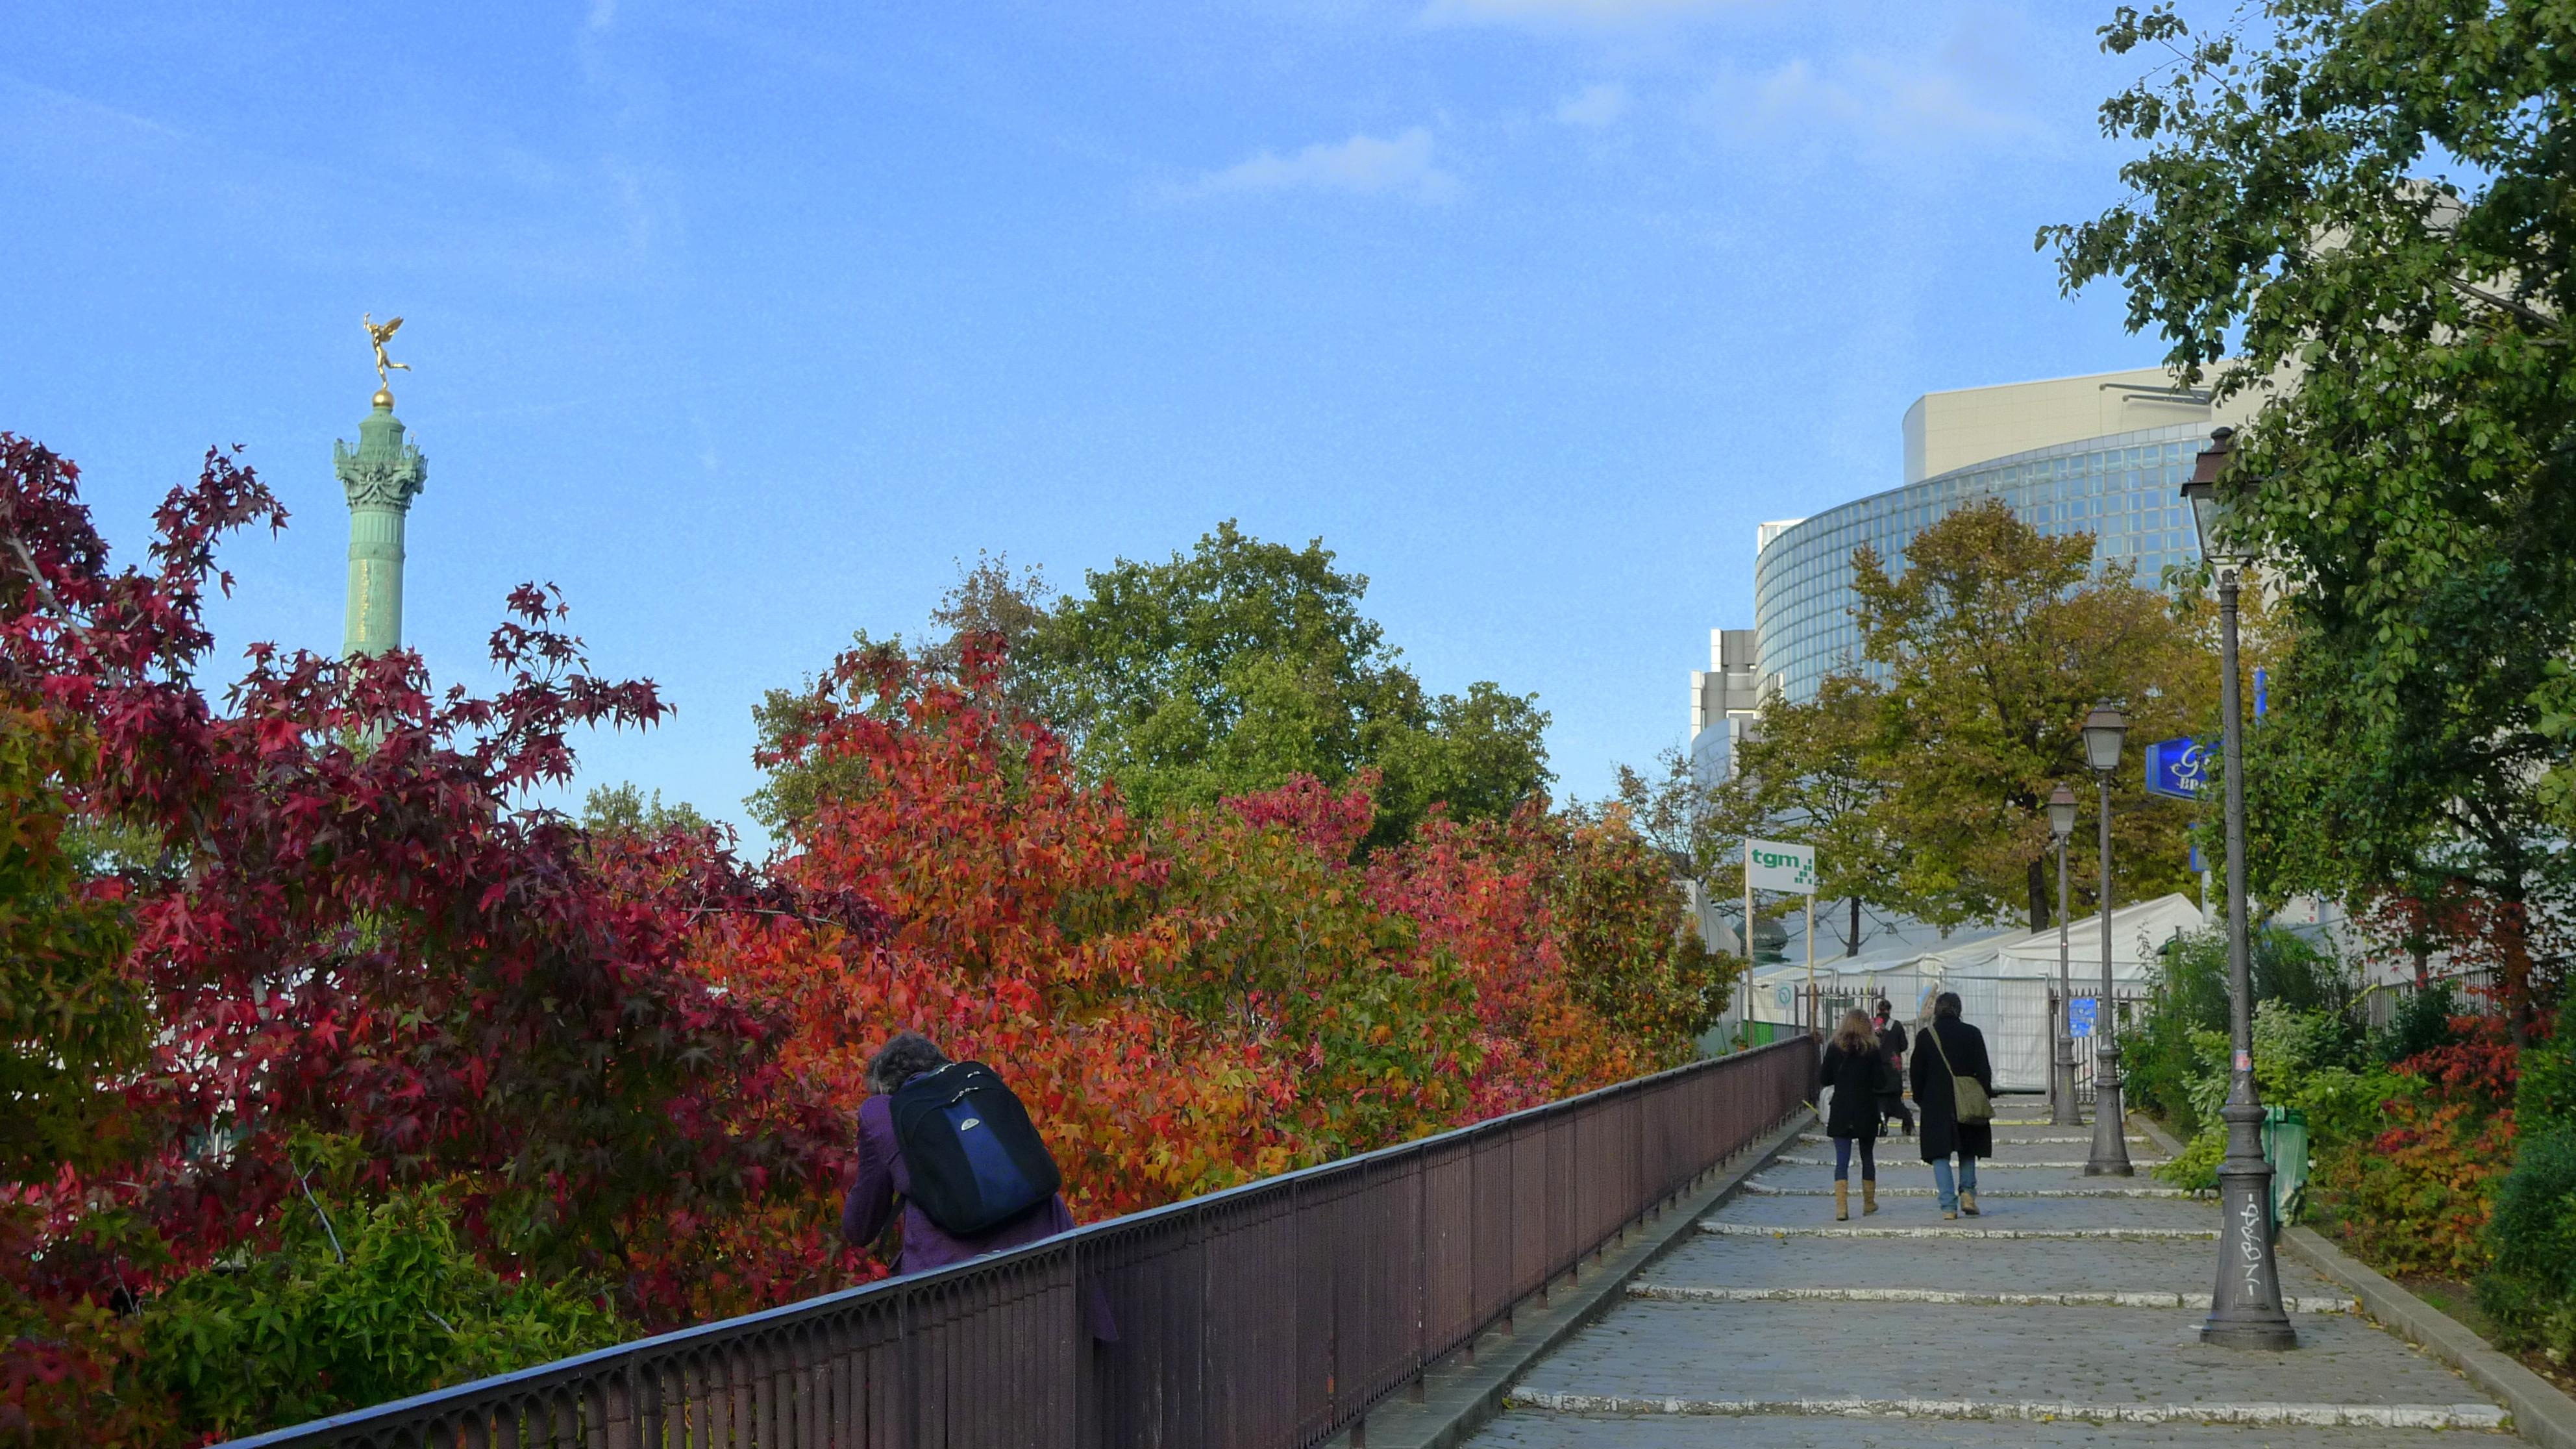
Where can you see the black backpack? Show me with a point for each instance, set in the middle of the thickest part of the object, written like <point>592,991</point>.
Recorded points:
<point>977,1161</point>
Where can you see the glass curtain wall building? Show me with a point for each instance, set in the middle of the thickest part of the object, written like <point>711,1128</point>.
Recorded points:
<point>2125,488</point>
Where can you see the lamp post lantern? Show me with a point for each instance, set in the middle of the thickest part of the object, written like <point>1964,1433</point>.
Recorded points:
<point>2061,829</point>
<point>2105,729</point>
<point>2246,1311</point>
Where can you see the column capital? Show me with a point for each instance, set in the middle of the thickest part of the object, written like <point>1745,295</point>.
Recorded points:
<point>383,471</point>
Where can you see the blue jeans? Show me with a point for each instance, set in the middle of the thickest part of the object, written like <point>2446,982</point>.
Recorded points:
<point>1868,1159</point>
<point>1941,1181</point>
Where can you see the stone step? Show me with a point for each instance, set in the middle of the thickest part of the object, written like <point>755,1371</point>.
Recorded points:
<point>1983,1163</point>
<point>1833,1230</point>
<point>1819,1139</point>
<point>2104,1298</point>
<point>1760,1188</point>
<point>2338,1416</point>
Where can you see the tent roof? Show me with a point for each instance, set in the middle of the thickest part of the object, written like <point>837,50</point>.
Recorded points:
<point>2137,931</point>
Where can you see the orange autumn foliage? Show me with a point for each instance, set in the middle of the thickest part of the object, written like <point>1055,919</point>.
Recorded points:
<point>1186,1003</point>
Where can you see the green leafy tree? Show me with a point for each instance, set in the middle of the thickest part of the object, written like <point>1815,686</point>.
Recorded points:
<point>1231,669</point>
<point>1811,775</point>
<point>2294,226</point>
<point>1994,642</point>
<point>1226,671</point>
<point>625,809</point>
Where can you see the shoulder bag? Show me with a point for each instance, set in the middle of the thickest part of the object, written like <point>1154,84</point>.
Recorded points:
<point>1967,1092</point>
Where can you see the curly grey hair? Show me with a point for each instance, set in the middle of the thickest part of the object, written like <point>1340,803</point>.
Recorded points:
<point>906,1054</point>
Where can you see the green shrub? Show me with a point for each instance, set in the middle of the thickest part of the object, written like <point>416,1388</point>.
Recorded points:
<point>2302,1059</point>
<point>2169,1061</point>
<point>2530,1290</point>
<point>358,1304</point>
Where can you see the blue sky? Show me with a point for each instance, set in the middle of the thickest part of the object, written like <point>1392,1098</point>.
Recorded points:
<point>742,322</point>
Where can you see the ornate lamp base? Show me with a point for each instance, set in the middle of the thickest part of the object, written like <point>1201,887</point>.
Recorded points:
<point>2246,1310</point>
<point>2110,1156</point>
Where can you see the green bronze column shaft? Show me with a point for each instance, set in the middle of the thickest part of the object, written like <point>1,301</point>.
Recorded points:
<point>381,476</point>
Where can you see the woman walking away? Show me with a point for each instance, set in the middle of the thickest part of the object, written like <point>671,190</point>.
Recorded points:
<point>885,1177</point>
<point>1952,1084</point>
<point>1858,1074</point>
<point>913,1156</point>
<point>1891,1045</point>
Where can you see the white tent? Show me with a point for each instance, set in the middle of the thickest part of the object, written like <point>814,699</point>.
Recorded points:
<point>2004,980</point>
<point>2004,984</point>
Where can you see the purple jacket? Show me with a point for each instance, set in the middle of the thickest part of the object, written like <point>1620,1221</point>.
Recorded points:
<point>883,1177</point>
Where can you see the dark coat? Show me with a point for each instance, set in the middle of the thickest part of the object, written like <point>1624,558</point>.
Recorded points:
<point>1943,1132</point>
<point>1891,1045</point>
<point>884,1181</point>
<point>1858,1078</point>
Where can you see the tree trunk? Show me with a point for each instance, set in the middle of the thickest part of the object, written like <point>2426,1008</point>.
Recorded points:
<point>2513,952</point>
<point>2038,896</point>
<point>1851,939</point>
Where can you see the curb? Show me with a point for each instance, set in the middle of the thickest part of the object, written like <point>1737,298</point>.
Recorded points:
<point>2541,1412</point>
<point>1459,1397</point>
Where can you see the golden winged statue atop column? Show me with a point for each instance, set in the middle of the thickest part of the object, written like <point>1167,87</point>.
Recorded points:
<point>379,335</point>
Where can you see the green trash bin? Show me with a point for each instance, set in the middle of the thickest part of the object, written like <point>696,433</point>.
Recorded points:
<point>2285,1146</point>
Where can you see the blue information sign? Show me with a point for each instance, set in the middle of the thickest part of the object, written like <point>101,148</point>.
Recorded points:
<point>2079,1015</point>
<point>2180,768</point>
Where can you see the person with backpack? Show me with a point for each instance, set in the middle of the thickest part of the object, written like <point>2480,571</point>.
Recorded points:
<point>1891,1045</point>
<point>1954,1085</point>
<point>1853,1067</point>
<point>952,1144</point>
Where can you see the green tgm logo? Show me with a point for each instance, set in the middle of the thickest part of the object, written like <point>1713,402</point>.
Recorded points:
<point>1771,865</point>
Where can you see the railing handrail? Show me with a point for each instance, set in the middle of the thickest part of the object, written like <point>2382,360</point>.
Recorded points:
<point>572,1367</point>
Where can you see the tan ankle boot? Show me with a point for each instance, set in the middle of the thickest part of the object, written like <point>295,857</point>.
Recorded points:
<point>1842,1201</point>
<point>1868,1196</point>
<point>1968,1203</point>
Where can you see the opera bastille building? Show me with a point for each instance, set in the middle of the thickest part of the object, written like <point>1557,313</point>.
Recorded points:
<point>2104,454</point>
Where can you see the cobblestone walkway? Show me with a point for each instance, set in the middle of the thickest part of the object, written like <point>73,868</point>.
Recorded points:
<point>2066,1313</point>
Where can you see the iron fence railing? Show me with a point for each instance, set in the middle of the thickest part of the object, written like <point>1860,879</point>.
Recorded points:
<point>1273,1314</point>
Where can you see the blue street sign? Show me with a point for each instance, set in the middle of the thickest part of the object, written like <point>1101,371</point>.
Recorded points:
<point>2180,768</point>
<point>2197,864</point>
<point>2079,1014</point>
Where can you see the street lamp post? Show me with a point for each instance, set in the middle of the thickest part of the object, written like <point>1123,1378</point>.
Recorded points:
<point>2246,1310</point>
<point>2061,829</point>
<point>2105,729</point>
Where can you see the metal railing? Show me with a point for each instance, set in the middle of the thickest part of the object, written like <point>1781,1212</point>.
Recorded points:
<point>1273,1314</point>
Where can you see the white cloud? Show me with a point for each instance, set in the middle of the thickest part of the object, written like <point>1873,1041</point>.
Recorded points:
<point>1572,14</point>
<point>1362,165</point>
<point>1911,107</point>
<point>1594,106</point>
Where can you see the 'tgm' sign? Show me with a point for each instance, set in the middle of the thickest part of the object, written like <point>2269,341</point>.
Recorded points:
<point>1772,866</point>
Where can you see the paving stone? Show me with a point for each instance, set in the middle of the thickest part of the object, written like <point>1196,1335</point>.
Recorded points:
<point>1809,1185</point>
<point>2088,1355</point>
<point>1997,1297</point>
<point>1531,1429</point>
<point>2024,1266</point>
<point>1853,1375</point>
<point>1808,1157</point>
<point>1993,1212</point>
